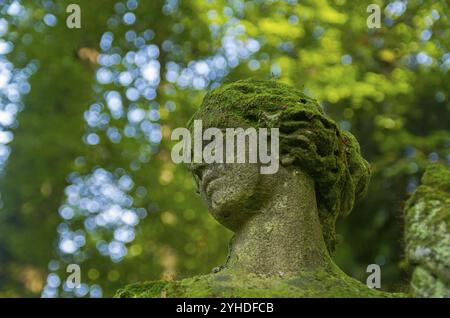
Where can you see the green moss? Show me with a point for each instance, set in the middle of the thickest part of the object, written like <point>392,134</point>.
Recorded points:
<point>312,140</point>
<point>427,233</point>
<point>307,284</point>
<point>426,284</point>
<point>153,289</point>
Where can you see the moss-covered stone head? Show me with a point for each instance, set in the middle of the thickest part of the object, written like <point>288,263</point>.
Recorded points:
<point>309,140</point>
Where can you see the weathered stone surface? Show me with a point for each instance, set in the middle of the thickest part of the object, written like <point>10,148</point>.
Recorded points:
<point>427,234</point>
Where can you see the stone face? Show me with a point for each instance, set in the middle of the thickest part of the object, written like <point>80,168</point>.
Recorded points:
<point>427,234</point>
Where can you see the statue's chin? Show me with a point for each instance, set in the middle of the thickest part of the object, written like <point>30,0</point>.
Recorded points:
<point>219,211</point>
<point>228,213</point>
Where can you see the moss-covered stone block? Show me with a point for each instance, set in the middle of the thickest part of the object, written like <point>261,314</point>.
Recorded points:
<point>427,234</point>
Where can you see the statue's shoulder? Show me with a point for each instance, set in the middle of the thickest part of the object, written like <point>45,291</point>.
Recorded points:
<point>313,284</point>
<point>149,289</point>
<point>197,286</point>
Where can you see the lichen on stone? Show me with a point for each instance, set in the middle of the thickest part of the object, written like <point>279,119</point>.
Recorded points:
<point>315,143</point>
<point>427,233</point>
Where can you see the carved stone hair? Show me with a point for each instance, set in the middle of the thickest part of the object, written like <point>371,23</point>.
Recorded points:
<point>309,140</point>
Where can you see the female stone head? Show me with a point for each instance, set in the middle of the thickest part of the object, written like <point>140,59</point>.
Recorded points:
<point>309,142</point>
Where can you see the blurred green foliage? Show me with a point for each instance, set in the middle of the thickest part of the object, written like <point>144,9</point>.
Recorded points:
<point>92,110</point>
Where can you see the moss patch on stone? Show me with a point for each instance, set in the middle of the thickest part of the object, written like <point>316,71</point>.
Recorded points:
<point>331,157</point>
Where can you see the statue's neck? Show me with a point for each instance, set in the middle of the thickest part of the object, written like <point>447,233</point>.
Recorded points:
<point>285,236</point>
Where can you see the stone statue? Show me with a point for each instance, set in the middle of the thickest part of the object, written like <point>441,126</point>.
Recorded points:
<point>284,223</point>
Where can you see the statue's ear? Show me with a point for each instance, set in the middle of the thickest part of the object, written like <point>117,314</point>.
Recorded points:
<point>286,160</point>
